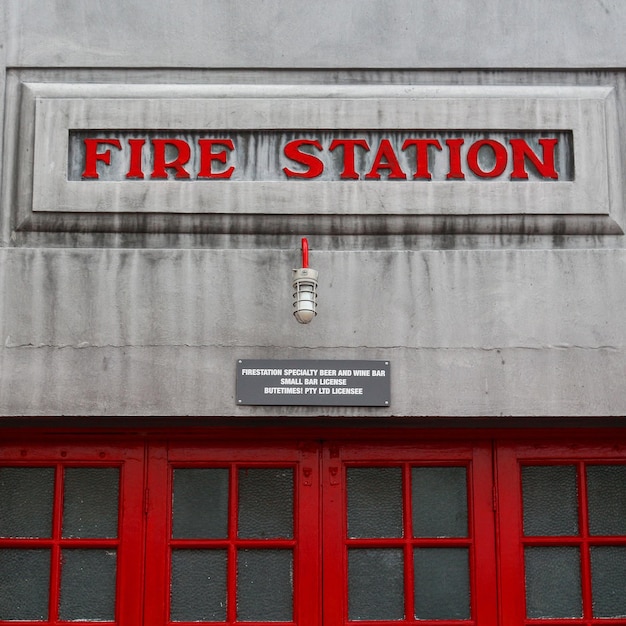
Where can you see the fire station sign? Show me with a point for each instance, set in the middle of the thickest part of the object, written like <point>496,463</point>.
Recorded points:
<point>313,382</point>
<point>494,152</point>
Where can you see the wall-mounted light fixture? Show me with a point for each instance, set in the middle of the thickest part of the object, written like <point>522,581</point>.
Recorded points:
<point>304,288</point>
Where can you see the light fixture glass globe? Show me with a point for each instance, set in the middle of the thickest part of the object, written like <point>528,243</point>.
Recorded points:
<point>305,294</point>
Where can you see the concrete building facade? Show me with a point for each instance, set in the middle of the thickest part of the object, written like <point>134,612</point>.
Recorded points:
<point>457,170</point>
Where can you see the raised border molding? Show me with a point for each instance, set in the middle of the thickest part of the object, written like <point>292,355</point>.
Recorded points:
<point>590,204</point>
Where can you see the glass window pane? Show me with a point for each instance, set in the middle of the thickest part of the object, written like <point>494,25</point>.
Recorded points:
<point>90,502</point>
<point>26,495</point>
<point>200,503</point>
<point>553,582</point>
<point>374,502</point>
<point>442,587</point>
<point>265,586</point>
<point>24,584</point>
<point>439,497</point>
<point>376,584</point>
<point>198,592</point>
<point>88,585</point>
<point>550,500</point>
<point>608,579</point>
<point>265,503</point>
<point>606,490</point>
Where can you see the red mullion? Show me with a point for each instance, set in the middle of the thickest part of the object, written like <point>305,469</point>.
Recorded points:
<point>334,532</point>
<point>559,621</point>
<point>231,566</point>
<point>510,535</point>
<point>402,542</point>
<point>376,542</point>
<point>55,550</point>
<point>223,544</point>
<point>552,541</point>
<point>420,622</point>
<point>157,555</point>
<point>130,538</point>
<point>39,543</point>
<point>407,525</point>
<point>481,529</point>
<point>197,623</point>
<point>307,601</point>
<point>583,530</point>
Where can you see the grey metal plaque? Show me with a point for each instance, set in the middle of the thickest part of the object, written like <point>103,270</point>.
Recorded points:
<point>313,382</point>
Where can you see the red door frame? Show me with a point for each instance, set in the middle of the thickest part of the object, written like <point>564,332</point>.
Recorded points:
<point>338,456</point>
<point>129,457</point>
<point>147,471</point>
<point>302,457</point>
<point>509,458</point>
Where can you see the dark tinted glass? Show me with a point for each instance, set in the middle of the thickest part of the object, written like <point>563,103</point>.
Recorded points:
<point>442,587</point>
<point>200,503</point>
<point>90,504</point>
<point>439,496</point>
<point>198,591</point>
<point>550,500</point>
<point>26,495</point>
<point>374,502</point>
<point>265,503</point>
<point>265,585</point>
<point>88,585</point>
<point>375,582</point>
<point>24,584</point>
<point>553,582</point>
<point>608,579</point>
<point>606,493</point>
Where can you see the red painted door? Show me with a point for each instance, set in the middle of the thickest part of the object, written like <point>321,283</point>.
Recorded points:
<point>562,527</point>
<point>233,535</point>
<point>405,534</point>
<point>408,534</point>
<point>141,531</point>
<point>71,533</point>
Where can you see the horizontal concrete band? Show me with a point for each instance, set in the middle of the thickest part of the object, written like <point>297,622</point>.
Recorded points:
<point>468,333</point>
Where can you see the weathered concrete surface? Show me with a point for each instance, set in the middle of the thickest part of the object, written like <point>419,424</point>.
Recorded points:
<point>327,33</point>
<point>468,333</point>
<point>513,328</point>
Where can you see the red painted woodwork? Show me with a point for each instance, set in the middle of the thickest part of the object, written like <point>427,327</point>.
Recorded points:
<point>337,457</point>
<point>305,543</point>
<point>129,457</point>
<point>510,458</point>
<point>320,544</point>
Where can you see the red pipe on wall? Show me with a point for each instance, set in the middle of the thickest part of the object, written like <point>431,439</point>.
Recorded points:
<point>305,252</point>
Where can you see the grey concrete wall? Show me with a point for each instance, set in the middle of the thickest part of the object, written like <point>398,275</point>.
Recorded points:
<point>328,34</point>
<point>99,319</point>
<point>499,332</point>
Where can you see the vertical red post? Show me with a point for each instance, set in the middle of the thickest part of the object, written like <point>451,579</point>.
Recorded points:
<point>305,252</point>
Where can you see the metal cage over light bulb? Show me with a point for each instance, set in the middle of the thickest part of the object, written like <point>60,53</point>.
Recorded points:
<point>304,282</point>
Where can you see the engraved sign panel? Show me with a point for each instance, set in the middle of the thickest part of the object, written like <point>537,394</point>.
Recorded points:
<point>488,153</point>
<point>313,382</point>
<point>277,156</point>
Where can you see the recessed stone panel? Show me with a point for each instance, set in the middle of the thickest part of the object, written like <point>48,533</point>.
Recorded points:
<point>545,155</point>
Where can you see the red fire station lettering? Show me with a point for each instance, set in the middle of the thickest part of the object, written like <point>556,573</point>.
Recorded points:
<point>136,149</point>
<point>207,156</point>
<point>292,151</point>
<point>422,168</point>
<point>92,156</point>
<point>385,159</point>
<point>454,146</point>
<point>522,151</point>
<point>177,164</point>
<point>348,146</point>
<point>500,155</point>
<point>484,158</point>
